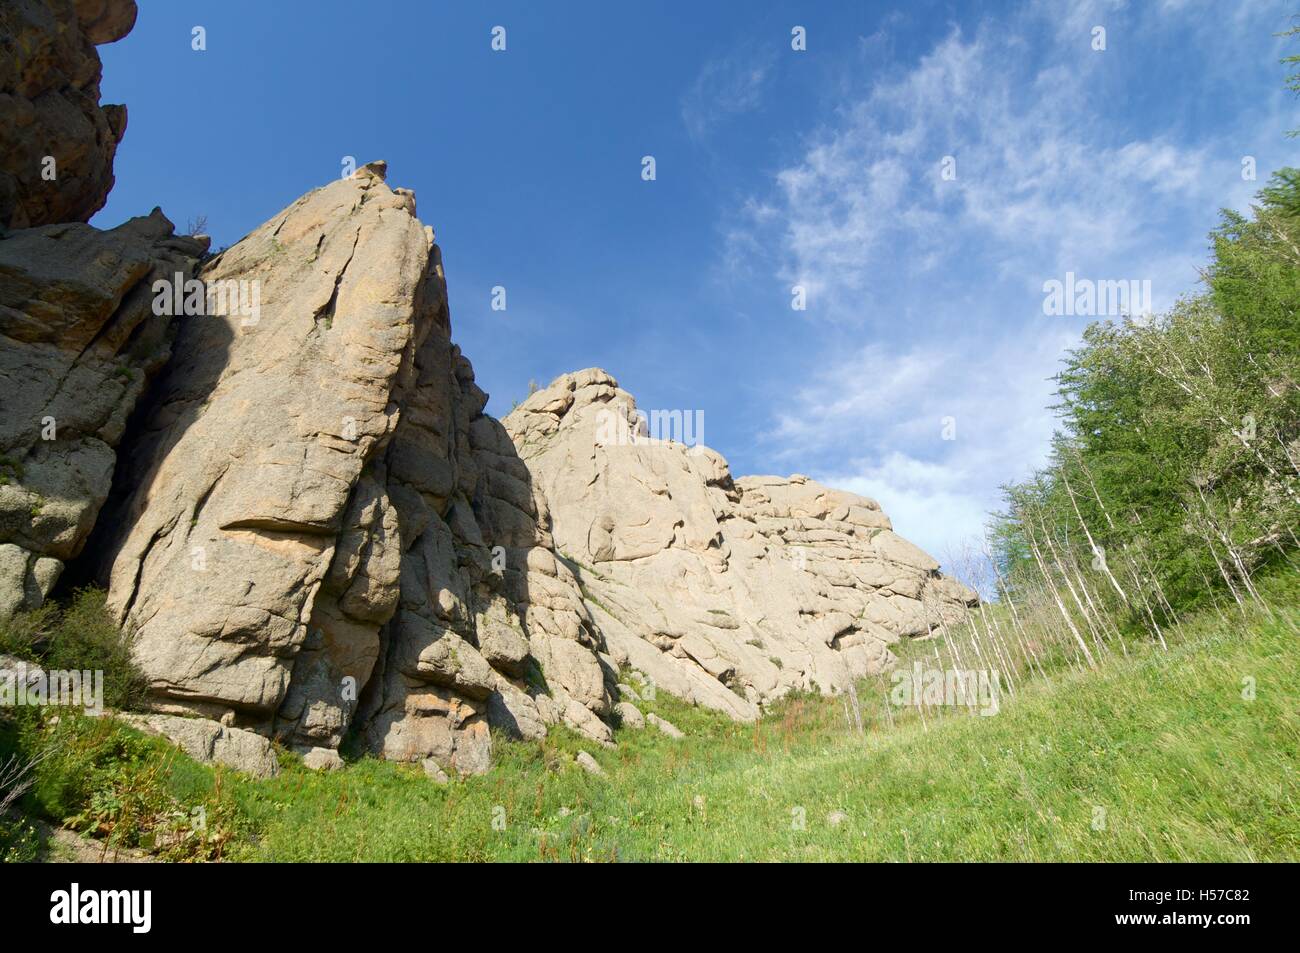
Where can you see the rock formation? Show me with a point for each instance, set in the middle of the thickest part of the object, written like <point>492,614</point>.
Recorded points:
<point>729,593</point>
<point>78,337</point>
<point>316,497</point>
<point>80,344</point>
<point>56,141</point>
<point>278,462</point>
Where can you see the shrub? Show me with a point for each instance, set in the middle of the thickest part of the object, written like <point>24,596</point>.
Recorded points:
<point>78,636</point>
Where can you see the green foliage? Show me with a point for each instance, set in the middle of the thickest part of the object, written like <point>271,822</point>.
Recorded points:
<point>25,634</point>
<point>78,636</point>
<point>1179,450</point>
<point>11,469</point>
<point>101,778</point>
<point>19,840</point>
<point>1145,737</point>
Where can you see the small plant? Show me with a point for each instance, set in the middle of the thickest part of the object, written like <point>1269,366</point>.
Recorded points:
<point>26,632</point>
<point>14,468</point>
<point>87,638</point>
<point>103,779</point>
<point>19,842</point>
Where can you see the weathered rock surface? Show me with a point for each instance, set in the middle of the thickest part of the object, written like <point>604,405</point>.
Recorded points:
<point>56,141</point>
<point>206,740</point>
<point>728,593</point>
<point>79,343</point>
<point>321,520</point>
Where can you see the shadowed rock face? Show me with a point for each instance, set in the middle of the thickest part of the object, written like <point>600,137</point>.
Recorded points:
<point>319,514</point>
<point>49,107</point>
<point>79,343</point>
<point>729,593</point>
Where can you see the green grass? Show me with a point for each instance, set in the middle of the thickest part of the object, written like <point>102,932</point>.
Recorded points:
<point>1162,745</point>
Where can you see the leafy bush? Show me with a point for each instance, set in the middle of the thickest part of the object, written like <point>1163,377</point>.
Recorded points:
<point>78,636</point>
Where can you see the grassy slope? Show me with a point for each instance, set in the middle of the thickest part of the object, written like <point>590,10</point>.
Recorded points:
<point>1184,767</point>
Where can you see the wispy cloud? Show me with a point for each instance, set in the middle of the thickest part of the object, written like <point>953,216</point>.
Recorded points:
<point>930,432</point>
<point>965,152</point>
<point>939,277</point>
<point>726,87</point>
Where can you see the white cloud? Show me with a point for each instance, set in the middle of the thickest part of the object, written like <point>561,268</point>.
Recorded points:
<point>874,423</point>
<point>1055,185</point>
<point>925,503</point>
<point>944,278</point>
<point>725,88</point>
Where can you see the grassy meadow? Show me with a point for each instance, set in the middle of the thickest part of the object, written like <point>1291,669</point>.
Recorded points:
<point>1157,755</point>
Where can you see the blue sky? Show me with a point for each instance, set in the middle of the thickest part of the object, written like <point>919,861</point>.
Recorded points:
<point>775,168</point>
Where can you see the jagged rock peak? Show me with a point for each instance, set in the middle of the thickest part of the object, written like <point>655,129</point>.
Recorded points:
<point>321,531</point>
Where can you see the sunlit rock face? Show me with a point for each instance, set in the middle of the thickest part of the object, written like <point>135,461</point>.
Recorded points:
<point>727,592</point>
<point>322,530</point>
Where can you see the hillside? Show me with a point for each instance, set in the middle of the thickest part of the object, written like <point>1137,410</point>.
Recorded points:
<point>1155,757</point>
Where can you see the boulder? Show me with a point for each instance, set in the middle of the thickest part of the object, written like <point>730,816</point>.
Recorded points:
<point>210,741</point>
<point>665,726</point>
<point>630,715</point>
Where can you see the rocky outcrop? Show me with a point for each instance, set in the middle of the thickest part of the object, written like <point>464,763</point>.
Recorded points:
<point>56,141</point>
<point>79,342</point>
<point>278,462</point>
<point>728,593</point>
<point>320,518</point>
<point>79,336</point>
